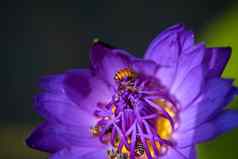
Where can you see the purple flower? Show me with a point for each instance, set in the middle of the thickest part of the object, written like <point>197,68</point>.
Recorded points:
<point>126,107</point>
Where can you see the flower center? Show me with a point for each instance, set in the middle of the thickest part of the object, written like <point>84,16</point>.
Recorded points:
<point>139,120</point>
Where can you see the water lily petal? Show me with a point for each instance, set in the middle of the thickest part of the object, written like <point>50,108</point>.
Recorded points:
<point>224,122</point>
<point>190,87</point>
<point>188,61</point>
<point>51,137</point>
<point>85,90</point>
<point>107,61</point>
<point>52,83</point>
<point>166,47</point>
<point>146,67</point>
<point>58,108</point>
<point>216,60</point>
<point>80,153</point>
<point>172,153</point>
<point>216,95</point>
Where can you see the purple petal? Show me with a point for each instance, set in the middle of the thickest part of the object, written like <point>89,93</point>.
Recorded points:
<point>173,154</point>
<point>52,83</point>
<point>216,60</point>
<point>86,90</point>
<point>57,107</point>
<point>190,87</point>
<point>236,90</point>
<point>189,152</point>
<point>166,52</point>
<point>51,137</point>
<point>146,67</point>
<point>45,138</point>
<point>217,94</point>
<point>224,122</point>
<point>187,62</point>
<point>106,61</point>
<point>81,153</point>
<point>166,48</point>
<point>165,75</point>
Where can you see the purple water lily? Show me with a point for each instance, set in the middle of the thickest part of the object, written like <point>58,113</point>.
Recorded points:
<point>126,107</point>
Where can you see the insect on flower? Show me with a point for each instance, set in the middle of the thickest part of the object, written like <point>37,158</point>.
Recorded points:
<point>125,74</point>
<point>139,150</point>
<point>111,154</point>
<point>123,107</point>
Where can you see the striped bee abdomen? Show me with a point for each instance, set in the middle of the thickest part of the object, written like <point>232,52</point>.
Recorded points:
<point>139,149</point>
<point>124,74</point>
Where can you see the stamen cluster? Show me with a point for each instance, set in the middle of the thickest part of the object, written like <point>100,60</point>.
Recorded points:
<point>139,119</point>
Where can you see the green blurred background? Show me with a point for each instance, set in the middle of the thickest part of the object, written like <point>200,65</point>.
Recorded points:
<point>45,37</point>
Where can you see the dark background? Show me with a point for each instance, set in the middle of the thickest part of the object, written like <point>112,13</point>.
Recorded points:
<point>45,37</point>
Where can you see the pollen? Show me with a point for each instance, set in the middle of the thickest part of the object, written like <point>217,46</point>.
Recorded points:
<point>124,149</point>
<point>164,128</point>
<point>167,106</point>
<point>163,125</point>
<point>113,109</point>
<point>94,131</point>
<point>150,147</point>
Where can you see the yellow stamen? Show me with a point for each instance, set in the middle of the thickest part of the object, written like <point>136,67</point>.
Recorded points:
<point>124,150</point>
<point>150,148</point>
<point>113,109</point>
<point>94,131</point>
<point>164,128</point>
<point>163,125</point>
<point>167,106</point>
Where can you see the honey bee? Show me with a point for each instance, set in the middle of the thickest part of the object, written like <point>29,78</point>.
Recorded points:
<point>139,149</point>
<point>112,154</point>
<point>125,74</point>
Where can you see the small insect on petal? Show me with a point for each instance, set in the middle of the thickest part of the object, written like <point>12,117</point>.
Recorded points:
<point>124,74</point>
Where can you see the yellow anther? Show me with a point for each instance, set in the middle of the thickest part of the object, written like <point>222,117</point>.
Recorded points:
<point>163,125</point>
<point>94,131</point>
<point>124,149</point>
<point>113,109</point>
<point>166,105</point>
<point>164,128</point>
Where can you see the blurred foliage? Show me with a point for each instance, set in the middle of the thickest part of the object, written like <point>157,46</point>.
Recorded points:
<point>223,31</point>
<point>224,146</point>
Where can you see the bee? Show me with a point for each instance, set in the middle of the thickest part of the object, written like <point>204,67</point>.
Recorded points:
<point>111,154</point>
<point>114,154</point>
<point>139,149</point>
<point>125,74</point>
